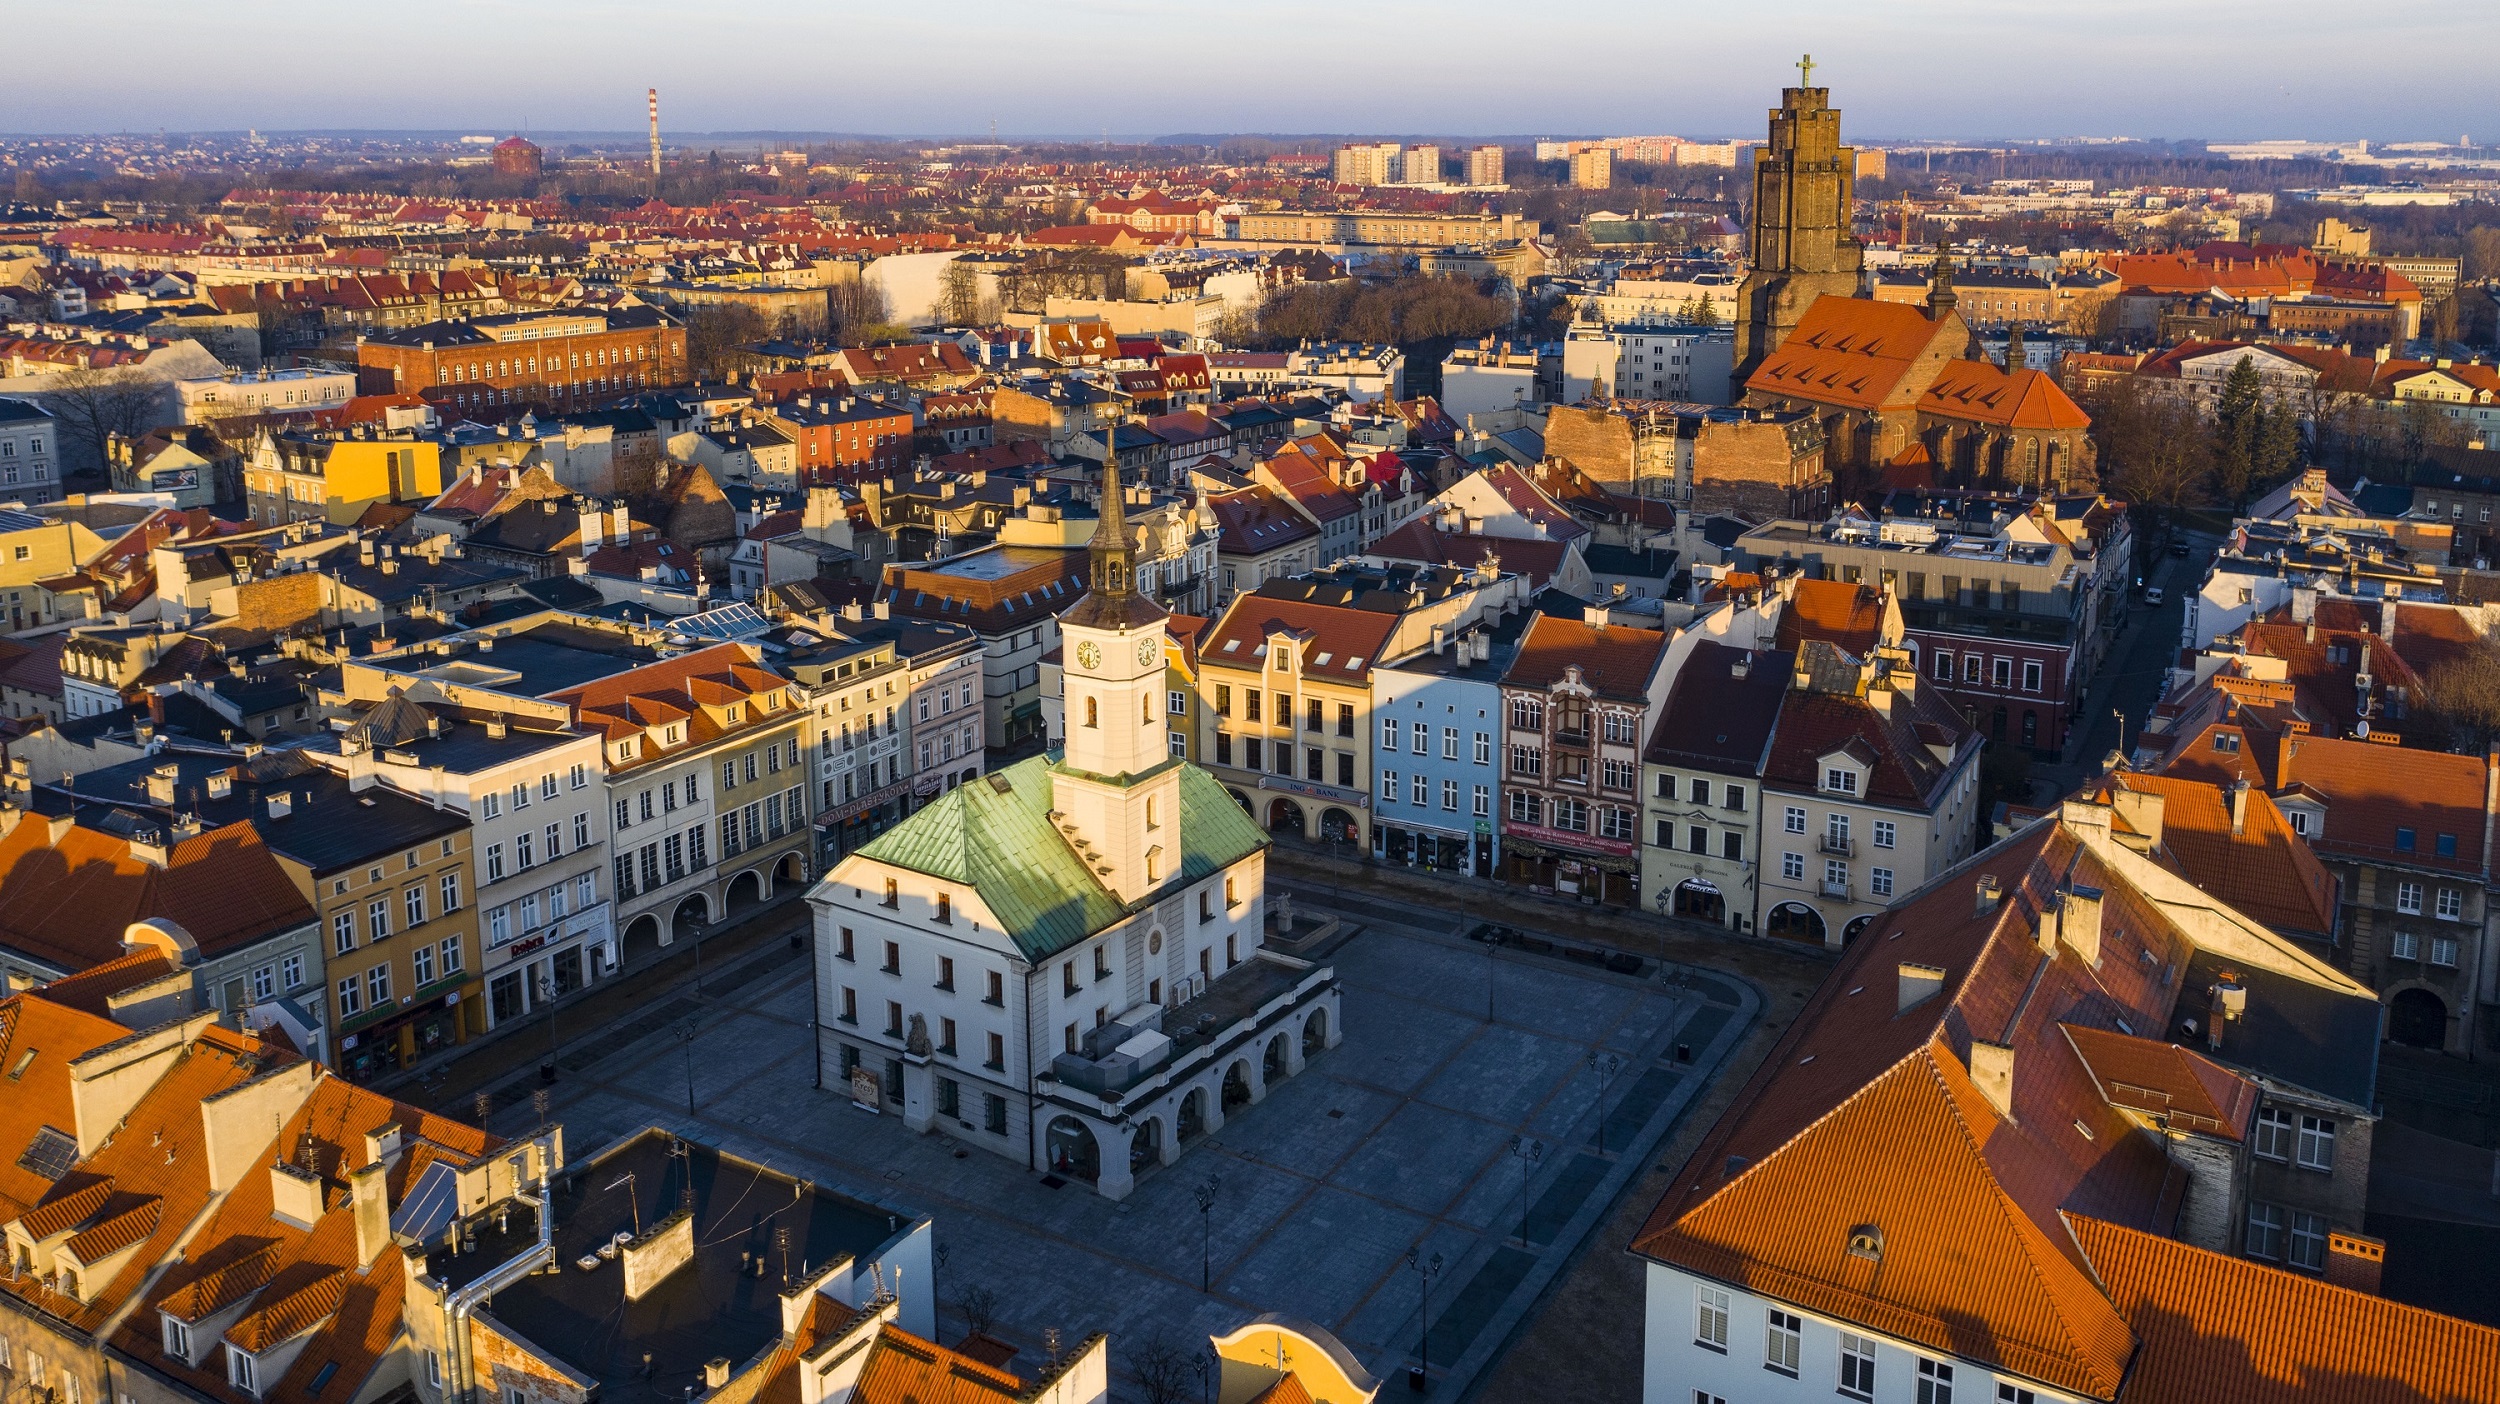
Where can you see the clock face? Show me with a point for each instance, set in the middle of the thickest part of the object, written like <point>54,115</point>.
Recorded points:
<point>1146,653</point>
<point>1088,656</point>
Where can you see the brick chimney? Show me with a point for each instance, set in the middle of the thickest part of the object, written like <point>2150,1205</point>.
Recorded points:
<point>2355,1260</point>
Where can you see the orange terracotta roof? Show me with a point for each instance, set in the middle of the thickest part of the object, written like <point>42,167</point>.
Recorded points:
<point>2191,1091</point>
<point>904,1369</point>
<point>2224,1330</point>
<point>1865,1114</point>
<point>91,989</point>
<point>1288,1390</point>
<point>44,1037</point>
<point>1847,615</point>
<point>70,902</point>
<point>1847,351</point>
<point>1988,394</point>
<point>2265,870</point>
<point>117,1228</point>
<point>1615,661</point>
<point>1349,639</point>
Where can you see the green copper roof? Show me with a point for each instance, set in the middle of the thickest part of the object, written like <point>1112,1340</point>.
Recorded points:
<point>995,837</point>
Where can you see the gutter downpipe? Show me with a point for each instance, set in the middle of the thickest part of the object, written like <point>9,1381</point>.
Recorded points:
<point>462,1383</point>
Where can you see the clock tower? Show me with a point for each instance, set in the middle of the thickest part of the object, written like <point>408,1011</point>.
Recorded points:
<point>1117,785</point>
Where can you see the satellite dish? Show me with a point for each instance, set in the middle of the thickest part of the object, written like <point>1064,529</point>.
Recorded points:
<point>2361,729</point>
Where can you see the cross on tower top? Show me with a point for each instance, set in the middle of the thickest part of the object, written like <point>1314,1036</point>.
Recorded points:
<point>1805,71</point>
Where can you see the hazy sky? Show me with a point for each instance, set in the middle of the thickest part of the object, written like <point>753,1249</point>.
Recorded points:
<point>1899,68</point>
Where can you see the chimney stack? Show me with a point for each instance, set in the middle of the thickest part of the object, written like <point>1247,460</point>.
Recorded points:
<point>2239,806</point>
<point>368,1189</point>
<point>2355,1260</point>
<point>1989,892</point>
<point>1992,1072</point>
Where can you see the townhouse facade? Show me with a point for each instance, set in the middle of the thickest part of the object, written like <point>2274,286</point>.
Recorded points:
<point>1702,784</point>
<point>1437,715</point>
<point>1576,703</point>
<point>1011,596</point>
<point>1870,789</point>
<point>1290,684</point>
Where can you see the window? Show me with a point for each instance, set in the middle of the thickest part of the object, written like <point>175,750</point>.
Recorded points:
<point>1449,796</point>
<point>1527,714</point>
<point>1483,806</point>
<point>2444,951</point>
<point>1388,787</point>
<point>1732,846</point>
<point>581,832</point>
<point>1943,670</point>
<point>351,997</point>
<point>378,917</point>
<point>1935,1382</point>
<point>1782,1338</point>
<point>264,982</point>
<point>946,975</point>
<point>421,960</point>
<point>1710,1307</point>
<point>1793,866</point>
<point>414,899</point>
<point>343,932</point>
<point>2404,844</point>
<point>1732,798</point>
<point>581,776</point>
<point>2003,673</point>
<point>1484,748</point>
<point>997,993</point>
<point>524,853</point>
<point>2013,1394</point>
<point>1419,790</point>
<point>1795,820</point>
<point>2316,1149</point>
<point>2408,894</point>
<point>2031,676</point>
<point>2273,1134</point>
<point>1615,824</point>
<point>1857,1366</point>
<point>2265,1231</point>
<point>1883,833</point>
<point>177,1336</point>
<point>291,970</point>
<point>1835,873</point>
<point>1617,774</point>
<point>1388,735</point>
<point>2451,902</point>
<point>1840,781</point>
<point>490,806</point>
<point>1176,703</point>
<point>994,1113</point>
<point>240,1371</point>
<point>494,862</point>
<point>1449,743</point>
<point>2307,1244</point>
<point>623,816</point>
<point>1571,814</point>
<point>2405,945</point>
<point>453,960</point>
<point>1879,882</point>
<point>996,1057</point>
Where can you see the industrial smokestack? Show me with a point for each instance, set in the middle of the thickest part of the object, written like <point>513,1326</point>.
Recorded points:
<point>655,143</point>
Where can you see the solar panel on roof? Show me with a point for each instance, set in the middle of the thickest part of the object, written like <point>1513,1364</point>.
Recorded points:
<point>50,1154</point>
<point>427,1210</point>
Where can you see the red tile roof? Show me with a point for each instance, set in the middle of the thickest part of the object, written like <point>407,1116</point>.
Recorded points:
<point>2223,1330</point>
<point>1340,645</point>
<point>1615,661</point>
<point>70,902</point>
<point>1847,351</point>
<point>2265,869</point>
<point>1847,615</point>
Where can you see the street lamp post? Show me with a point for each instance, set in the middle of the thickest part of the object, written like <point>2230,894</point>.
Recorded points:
<point>1424,1269</point>
<point>685,1041</point>
<point>694,931</point>
<point>1206,1191</point>
<point>546,984</point>
<point>1605,1065</point>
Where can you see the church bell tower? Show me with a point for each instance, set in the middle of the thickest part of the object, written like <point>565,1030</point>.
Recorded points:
<point>1799,246</point>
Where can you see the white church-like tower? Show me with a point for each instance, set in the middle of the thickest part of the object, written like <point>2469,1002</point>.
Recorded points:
<point>1116,790</point>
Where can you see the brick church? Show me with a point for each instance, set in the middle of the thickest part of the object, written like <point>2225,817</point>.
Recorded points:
<point>1900,390</point>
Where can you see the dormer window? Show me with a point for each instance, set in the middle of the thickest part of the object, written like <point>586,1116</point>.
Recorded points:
<point>673,734</point>
<point>1840,780</point>
<point>242,1371</point>
<point>177,1336</point>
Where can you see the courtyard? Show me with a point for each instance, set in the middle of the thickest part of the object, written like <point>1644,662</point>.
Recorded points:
<point>1484,1112</point>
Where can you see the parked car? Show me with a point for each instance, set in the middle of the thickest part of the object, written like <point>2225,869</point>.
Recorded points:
<point>2153,595</point>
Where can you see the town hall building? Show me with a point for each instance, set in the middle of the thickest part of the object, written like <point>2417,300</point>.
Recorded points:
<point>1062,962</point>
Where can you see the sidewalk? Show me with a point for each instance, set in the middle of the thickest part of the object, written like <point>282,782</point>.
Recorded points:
<point>450,1082</point>
<point>1295,866</point>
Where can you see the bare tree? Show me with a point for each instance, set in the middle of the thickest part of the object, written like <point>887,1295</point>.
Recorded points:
<point>715,332</point>
<point>959,296</point>
<point>979,1306</point>
<point>2463,694</point>
<point>94,404</point>
<point>1162,1369</point>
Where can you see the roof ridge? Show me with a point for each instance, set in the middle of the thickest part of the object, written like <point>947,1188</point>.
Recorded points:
<point>2003,1202</point>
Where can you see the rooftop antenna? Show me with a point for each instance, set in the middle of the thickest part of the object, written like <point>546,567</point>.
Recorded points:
<point>627,1180</point>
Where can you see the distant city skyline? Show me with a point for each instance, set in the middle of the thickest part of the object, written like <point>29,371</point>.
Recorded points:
<point>1912,69</point>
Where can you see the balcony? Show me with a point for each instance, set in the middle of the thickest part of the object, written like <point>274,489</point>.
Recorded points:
<point>1838,847</point>
<point>1577,740</point>
<point>1838,891</point>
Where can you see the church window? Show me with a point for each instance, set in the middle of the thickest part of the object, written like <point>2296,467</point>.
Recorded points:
<point>1089,711</point>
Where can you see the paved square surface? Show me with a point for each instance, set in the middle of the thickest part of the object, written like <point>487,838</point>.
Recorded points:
<point>1433,1128</point>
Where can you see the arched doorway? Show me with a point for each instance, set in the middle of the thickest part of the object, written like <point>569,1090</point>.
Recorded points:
<point>1193,1116</point>
<point>1284,817</point>
<point>691,913</point>
<point>1244,801</point>
<point>791,869</point>
<point>2418,1018</point>
<point>1236,1086</point>
<point>1337,824</point>
<point>1699,899</point>
<point>1795,921</point>
<point>1273,1067</point>
<point>746,892</point>
<point>1315,1032</point>
<point>1145,1144</point>
<point>1856,928</point>
<point>1069,1149</point>
<point>642,940</point>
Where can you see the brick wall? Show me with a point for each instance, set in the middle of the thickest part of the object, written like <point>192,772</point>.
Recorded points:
<point>278,601</point>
